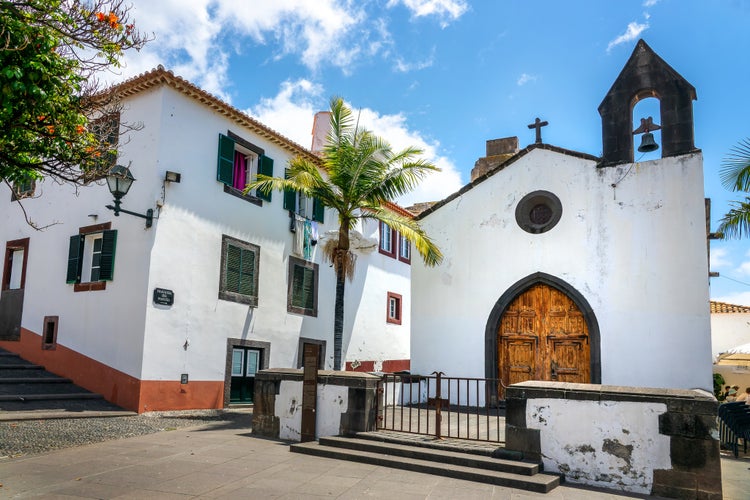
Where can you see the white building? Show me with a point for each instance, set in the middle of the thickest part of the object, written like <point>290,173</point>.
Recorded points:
<point>564,266</point>
<point>181,314</point>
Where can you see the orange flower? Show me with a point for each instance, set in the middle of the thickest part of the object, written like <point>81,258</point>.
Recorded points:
<point>80,129</point>
<point>50,129</point>
<point>97,154</point>
<point>100,16</point>
<point>113,20</point>
<point>41,118</point>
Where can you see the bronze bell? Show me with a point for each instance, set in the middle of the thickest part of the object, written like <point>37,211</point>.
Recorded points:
<point>647,143</point>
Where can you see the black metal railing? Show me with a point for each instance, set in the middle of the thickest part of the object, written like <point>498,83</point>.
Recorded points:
<point>734,424</point>
<point>440,406</point>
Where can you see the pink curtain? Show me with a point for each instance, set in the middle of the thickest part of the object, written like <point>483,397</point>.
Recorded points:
<point>238,178</point>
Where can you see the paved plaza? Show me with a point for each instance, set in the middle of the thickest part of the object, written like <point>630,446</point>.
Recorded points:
<point>223,460</point>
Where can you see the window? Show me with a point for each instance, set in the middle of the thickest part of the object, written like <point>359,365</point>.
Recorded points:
<point>239,271</point>
<point>91,257</point>
<point>239,163</point>
<point>49,335</point>
<point>302,293</point>
<point>394,308</point>
<point>404,249</point>
<point>304,206</point>
<point>388,238</point>
<point>23,189</point>
<point>14,268</point>
<point>538,212</point>
<point>107,130</point>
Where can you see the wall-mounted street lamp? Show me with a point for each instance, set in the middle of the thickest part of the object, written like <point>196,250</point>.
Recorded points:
<point>119,181</point>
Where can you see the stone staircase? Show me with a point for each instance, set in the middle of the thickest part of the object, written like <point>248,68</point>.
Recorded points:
<point>459,461</point>
<point>28,391</point>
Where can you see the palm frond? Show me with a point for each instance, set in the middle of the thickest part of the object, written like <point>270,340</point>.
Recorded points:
<point>735,168</point>
<point>736,222</point>
<point>409,229</point>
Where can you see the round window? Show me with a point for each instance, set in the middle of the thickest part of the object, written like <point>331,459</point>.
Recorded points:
<point>538,212</point>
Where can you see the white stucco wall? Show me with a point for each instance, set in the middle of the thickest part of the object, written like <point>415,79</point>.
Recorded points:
<point>635,252</point>
<point>611,444</point>
<point>728,330</point>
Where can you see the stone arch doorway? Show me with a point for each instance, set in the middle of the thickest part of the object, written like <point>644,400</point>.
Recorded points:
<point>541,329</point>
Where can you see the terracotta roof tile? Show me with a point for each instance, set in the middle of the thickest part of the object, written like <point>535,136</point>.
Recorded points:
<point>723,307</point>
<point>161,76</point>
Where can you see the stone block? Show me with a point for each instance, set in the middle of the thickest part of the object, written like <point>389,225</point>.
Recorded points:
<point>687,453</point>
<point>526,441</point>
<point>674,484</point>
<point>515,412</point>
<point>685,425</point>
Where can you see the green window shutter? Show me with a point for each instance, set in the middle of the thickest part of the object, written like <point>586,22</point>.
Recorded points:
<point>107,263</point>
<point>75,253</point>
<point>308,289</point>
<point>303,288</point>
<point>318,210</point>
<point>290,196</point>
<point>225,167</point>
<point>240,271</point>
<point>265,167</point>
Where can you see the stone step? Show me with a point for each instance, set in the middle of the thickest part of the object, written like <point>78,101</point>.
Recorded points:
<point>7,408</point>
<point>45,397</point>
<point>40,386</point>
<point>36,373</point>
<point>540,483</point>
<point>51,379</point>
<point>436,455</point>
<point>19,366</point>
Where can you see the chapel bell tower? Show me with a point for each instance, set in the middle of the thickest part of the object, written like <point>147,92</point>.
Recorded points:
<point>647,75</point>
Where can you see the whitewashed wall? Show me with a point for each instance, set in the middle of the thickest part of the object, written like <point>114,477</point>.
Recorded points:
<point>637,253</point>
<point>729,330</point>
<point>620,450</point>
<point>332,401</point>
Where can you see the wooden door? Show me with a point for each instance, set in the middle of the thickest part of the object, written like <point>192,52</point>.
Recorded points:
<point>245,363</point>
<point>543,336</point>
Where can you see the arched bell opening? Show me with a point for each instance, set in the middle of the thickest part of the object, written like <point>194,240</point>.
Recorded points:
<point>646,126</point>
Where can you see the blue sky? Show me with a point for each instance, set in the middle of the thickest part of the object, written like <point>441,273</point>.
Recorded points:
<point>447,75</point>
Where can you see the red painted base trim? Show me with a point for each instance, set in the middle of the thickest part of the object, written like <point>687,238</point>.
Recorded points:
<point>117,387</point>
<point>389,366</point>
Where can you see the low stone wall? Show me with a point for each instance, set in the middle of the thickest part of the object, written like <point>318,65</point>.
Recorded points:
<point>631,439</point>
<point>346,403</point>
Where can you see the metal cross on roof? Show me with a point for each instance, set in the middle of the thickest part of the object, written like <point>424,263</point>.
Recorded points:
<point>538,124</point>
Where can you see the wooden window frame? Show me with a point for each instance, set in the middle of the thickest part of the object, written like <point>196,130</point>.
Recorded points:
<point>224,294</point>
<point>294,262</point>
<point>17,194</point>
<point>399,308</point>
<point>11,247</point>
<point>401,257</point>
<point>92,286</point>
<point>54,320</point>
<point>394,240</point>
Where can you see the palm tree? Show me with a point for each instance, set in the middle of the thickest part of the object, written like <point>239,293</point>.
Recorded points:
<point>735,175</point>
<point>358,174</point>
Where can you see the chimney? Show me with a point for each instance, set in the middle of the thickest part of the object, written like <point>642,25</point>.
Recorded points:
<point>321,127</point>
<point>498,151</point>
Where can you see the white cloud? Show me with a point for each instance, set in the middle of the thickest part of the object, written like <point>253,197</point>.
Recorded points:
<point>291,111</point>
<point>632,32</point>
<point>445,10</point>
<point>737,298</point>
<point>525,78</point>
<point>719,258</point>
<point>405,67</point>
<point>650,3</point>
<point>195,38</point>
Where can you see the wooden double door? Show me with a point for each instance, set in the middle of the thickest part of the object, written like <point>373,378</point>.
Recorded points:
<point>543,336</point>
